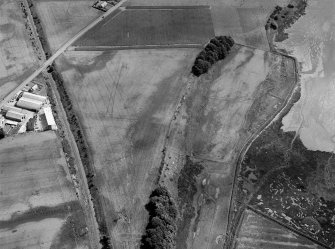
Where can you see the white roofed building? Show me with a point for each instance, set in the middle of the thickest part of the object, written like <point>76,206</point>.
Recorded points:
<point>30,104</point>
<point>50,121</point>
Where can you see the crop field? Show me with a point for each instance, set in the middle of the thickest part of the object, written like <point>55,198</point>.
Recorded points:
<point>244,20</point>
<point>258,232</point>
<point>17,59</point>
<point>62,19</point>
<point>39,208</point>
<point>125,101</point>
<point>152,26</point>
<point>222,110</point>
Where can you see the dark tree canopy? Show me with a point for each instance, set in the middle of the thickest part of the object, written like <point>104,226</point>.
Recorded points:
<point>161,229</point>
<point>217,49</point>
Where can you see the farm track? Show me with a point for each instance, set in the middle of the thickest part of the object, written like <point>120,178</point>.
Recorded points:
<point>60,51</point>
<point>286,105</point>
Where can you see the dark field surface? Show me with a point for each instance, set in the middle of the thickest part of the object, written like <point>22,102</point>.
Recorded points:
<point>258,232</point>
<point>291,184</point>
<point>152,27</point>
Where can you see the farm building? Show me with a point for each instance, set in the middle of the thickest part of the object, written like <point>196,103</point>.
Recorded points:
<point>2,121</point>
<point>7,108</point>
<point>50,121</point>
<point>16,116</point>
<point>29,104</point>
<point>11,122</point>
<point>34,97</point>
<point>103,4</point>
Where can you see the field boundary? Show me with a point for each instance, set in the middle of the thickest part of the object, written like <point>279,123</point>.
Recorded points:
<point>292,229</point>
<point>167,7</point>
<point>133,47</point>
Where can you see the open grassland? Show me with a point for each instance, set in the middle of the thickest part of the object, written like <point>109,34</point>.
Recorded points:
<point>125,101</point>
<point>218,115</point>
<point>17,59</point>
<point>151,26</point>
<point>38,207</point>
<point>257,232</point>
<point>62,19</point>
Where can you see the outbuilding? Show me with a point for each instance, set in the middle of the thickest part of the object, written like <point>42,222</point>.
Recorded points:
<point>51,124</point>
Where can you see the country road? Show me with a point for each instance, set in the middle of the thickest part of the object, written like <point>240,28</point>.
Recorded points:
<point>60,51</point>
<point>245,148</point>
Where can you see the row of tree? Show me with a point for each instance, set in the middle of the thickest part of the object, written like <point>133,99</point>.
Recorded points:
<point>217,49</point>
<point>161,229</point>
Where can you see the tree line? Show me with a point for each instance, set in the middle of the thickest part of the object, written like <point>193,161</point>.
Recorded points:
<point>161,230</point>
<point>217,49</point>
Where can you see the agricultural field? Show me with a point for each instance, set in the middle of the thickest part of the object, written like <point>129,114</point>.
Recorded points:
<point>221,111</point>
<point>137,26</point>
<point>17,58</point>
<point>39,207</point>
<point>125,101</point>
<point>62,19</point>
<point>258,232</point>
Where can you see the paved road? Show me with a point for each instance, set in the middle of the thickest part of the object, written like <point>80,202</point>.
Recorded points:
<point>60,51</point>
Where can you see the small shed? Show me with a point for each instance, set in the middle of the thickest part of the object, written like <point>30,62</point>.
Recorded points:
<point>103,4</point>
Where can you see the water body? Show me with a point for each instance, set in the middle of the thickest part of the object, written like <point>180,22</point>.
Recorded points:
<point>312,41</point>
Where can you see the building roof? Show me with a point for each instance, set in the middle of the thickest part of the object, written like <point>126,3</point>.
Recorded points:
<point>13,115</point>
<point>7,107</point>
<point>34,96</point>
<point>48,115</point>
<point>29,104</point>
<point>11,122</point>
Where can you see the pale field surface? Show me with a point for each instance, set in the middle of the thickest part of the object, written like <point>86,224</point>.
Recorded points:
<point>27,234</point>
<point>257,232</point>
<point>32,176</point>
<point>213,125</point>
<point>62,19</point>
<point>125,100</point>
<point>17,59</point>
<point>312,41</point>
<point>36,194</point>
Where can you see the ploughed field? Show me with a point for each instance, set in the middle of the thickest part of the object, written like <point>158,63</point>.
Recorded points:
<point>218,114</point>
<point>39,208</point>
<point>17,58</point>
<point>125,101</point>
<point>141,26</point>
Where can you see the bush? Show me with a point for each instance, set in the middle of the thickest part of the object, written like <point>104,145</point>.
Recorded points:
<point>217,49</point>
<point>2,133</point>
<point>31,123</point>
<point>161,229</point>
